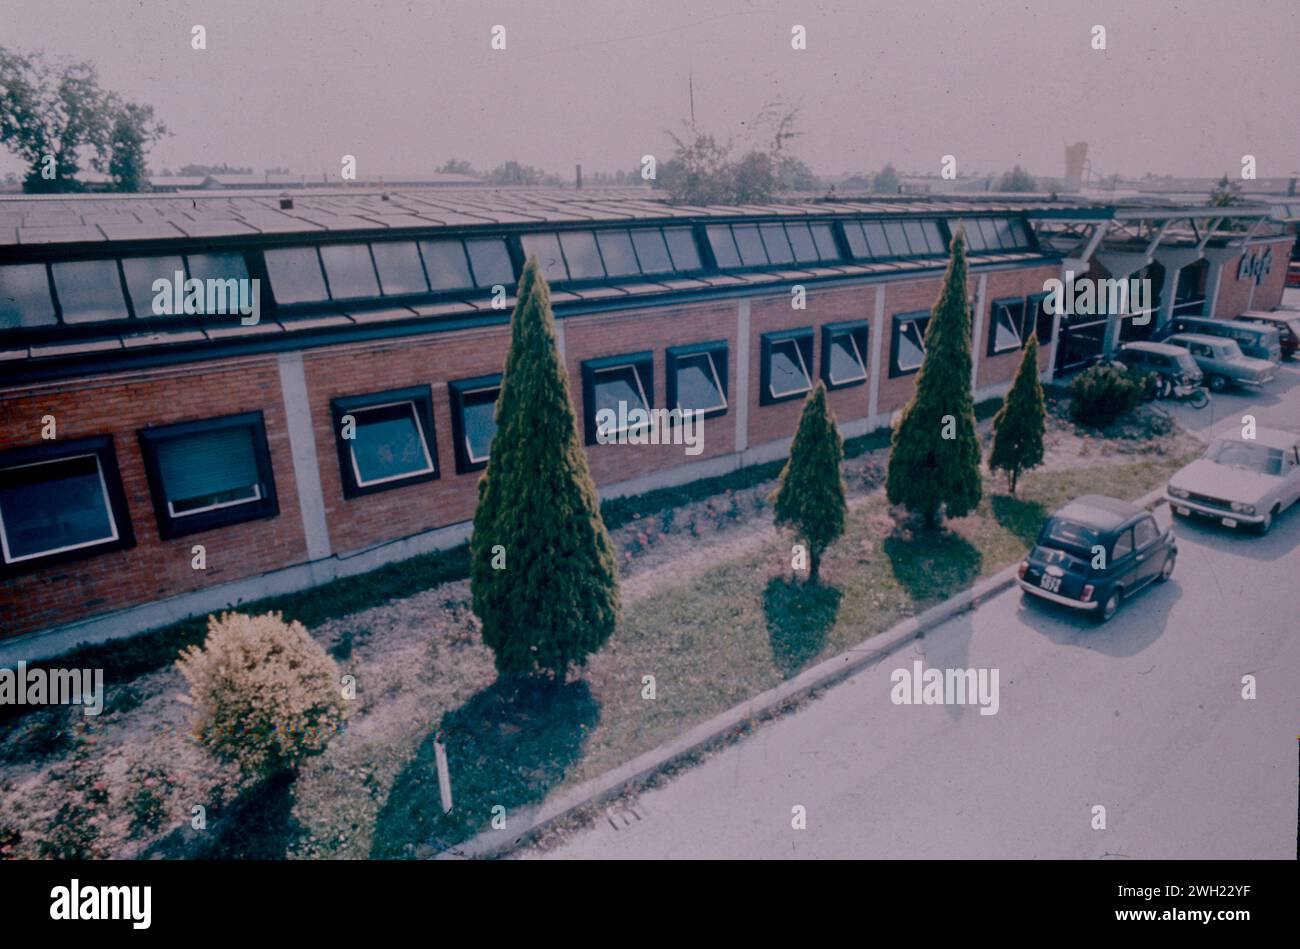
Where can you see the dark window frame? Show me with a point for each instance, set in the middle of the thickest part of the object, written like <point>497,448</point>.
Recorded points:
<point>642,363</point>
<point>457,390</point>
<point>897,320</point>
<point>171,527</point>
<point>1043,320</point>
<point>717,350</point>
<point>860,332</point>
<point>422,399</point>
<point>803,338</point>
<point>102,447</point>
<point>1020,323</point>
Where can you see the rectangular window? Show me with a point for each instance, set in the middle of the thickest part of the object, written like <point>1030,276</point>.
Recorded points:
<point>802,243</point>
<point>844,354</point>
<point>858,246</point>
<point>25,296</point>
<point>220,266</point>
<point>473,420</point>
<point>141,272</point>
<point>786,365</point>
<point>907,351</point>
<point>825,241</point>
<point>400,270</point>
<point>777,244</point>
<point>60,502</point>
<point>446,265</point>
<point>385,440</point>
<point>651,250</point>
<point>89,291</point>
<point>209,474</point>
<point>974,236</point>
<point>877,242</point>
<point>581,255</point>
<point>916,238</point>
<point>897,240</point>
<point>681,244</point>
<point>934,237</point>
<point>616,249</point>
<point>296,275</point>
<point>724,247</point>
<point>546,247</point>
<point>697,377</point>
<point>618,385</point>
<point>750,245</point>
<point>350,270</point>
<point>491,262</point>
<point>1006,326</point>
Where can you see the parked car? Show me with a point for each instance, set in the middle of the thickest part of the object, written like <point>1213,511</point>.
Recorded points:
<point>1173,370</point>
<point>1287,324</point>
<point>1240,480</point>
<point>1094,552</point>
<point>1258,342</point>
<point>1222,361</point>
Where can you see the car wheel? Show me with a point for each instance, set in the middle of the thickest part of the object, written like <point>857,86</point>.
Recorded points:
<point>1167,568</point>
<point>1218,383</point>
<point>1264,526</point>
<point>1109,608</point>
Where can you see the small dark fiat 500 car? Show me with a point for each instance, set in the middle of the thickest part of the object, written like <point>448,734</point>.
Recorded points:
<point>1094,552</point>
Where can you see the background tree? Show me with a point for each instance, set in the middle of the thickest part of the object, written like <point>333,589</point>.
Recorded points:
<point>1021,423</point>
<point>927,470</point>
<point>134,130</point>
<point>886,181</point>
<point>457,166</point>
<point>543,574</point>
<point>1017,179</point>
<point>810,498</point>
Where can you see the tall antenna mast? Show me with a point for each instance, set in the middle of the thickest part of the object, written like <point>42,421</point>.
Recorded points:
<point>690,85</point>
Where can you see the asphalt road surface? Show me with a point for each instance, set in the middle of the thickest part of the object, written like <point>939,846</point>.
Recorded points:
<point>1144,716</point>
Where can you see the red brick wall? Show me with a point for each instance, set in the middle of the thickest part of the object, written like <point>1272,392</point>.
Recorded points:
<point>1008,283</point>
<point>153,569</point>
<point>1234,294</point>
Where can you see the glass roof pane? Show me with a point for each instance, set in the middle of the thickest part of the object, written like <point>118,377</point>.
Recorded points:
<point>916,237</point>
<point>801,242</point>
<point>399,266</point>
<point>25,296</point>
<point>581,255</point>
<point>351,272</point>
<point>933,237</point>
<point>295,275</point>
<point>681,243</point>
<point>724,248</point>
<point>990,232</point>
<point>491,261</point>
<point>616,248</point>
<point>777,244</point>
<point>875,235</point>
<point>752,253</point>
<point>897,241</point>
<point>651,250</point>
<point>825,240</point>
<point>218,266</point>
<point>974,236</point>
<point>857,243</point>
<point>446,264</point>
<point>141,272</point>
<point>546,247</point>
<point>89,291</point>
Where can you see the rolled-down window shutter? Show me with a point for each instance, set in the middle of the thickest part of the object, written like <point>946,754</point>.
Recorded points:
<point>207,463</point>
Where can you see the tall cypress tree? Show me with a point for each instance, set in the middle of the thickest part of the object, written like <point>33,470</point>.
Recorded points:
<point>810,498</point>
<point>543,573</point>
<point>1020,424</point>
<point>934,456</point>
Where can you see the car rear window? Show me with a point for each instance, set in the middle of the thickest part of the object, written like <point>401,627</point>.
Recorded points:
<point>1075,538</point>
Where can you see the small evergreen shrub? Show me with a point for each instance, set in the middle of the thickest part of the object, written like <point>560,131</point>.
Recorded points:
<point>1106,392</point>
<point>264,694</point>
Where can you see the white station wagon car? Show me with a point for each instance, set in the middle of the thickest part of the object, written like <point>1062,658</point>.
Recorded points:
<point>1240,481</point>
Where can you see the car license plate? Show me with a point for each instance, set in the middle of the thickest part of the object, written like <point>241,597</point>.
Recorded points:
<point>1184,511</point>
<point>1229,522</point>
<point>1049,583</point>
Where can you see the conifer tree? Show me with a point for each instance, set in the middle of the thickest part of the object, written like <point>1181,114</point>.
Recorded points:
<point>810,498</point>
<point>1020,424</point>
<point>543,572</point>
<point>934,455</point>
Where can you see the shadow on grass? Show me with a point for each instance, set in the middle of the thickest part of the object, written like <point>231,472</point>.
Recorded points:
<point>799,617</point>
<point>257,825</point>
<point>932,565</point>
<point>508,745</point>
<point>1022,518</point>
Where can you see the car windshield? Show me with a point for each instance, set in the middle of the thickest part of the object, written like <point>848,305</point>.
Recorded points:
<point>1070,536</point>
<point>1250,457</point>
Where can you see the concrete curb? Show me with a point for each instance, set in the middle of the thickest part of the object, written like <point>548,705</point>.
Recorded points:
<point>827,673</point>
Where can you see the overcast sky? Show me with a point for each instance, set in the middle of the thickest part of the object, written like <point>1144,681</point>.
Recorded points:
<point>1184,88</point>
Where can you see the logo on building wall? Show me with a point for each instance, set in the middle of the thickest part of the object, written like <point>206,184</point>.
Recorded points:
<point>1255,264</point>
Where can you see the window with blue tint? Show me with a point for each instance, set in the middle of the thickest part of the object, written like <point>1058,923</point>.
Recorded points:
<point>697,377</point>
<point>934,237</point>
<point>210,473</point>
<point>1007,326</point>
<point>825,241</point>
<point>750,245</point>
<point>858,246</point>
<point>141,272</point>
<point>897,239</point>
<point>616,248</point>
<point>724,247</point>
<point>581,255</point>
<point>473,418</point>
<point>974,235</point>
<point>385,440</point>
<point>491,262</point>
<point>916,237</point>
<point>546,248</point>
<point>907,351</point>
<point>25,296</point>
<point>1019,238</point>
<point>400,270</point>
<point>776,243</point>
<point>89,291</point>
<point>221,266</point>
<point>844,351</point>
<point>350,271</point>
<point>786,360</point>
<point>681,244</point>
<point>801,242</point>
<point>446,265</point>
<point>619,385</point>
<point>651,250</point>
<point>295,275</point>
<point>874,232</point>
<point>990,231</point>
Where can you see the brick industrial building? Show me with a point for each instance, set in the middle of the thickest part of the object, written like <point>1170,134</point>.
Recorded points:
<point>376,311</point>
